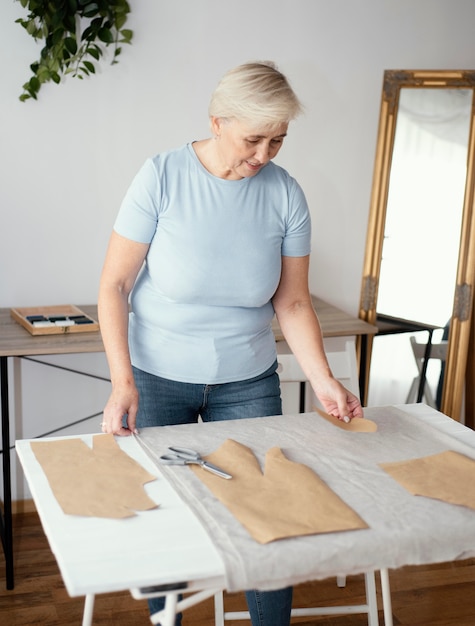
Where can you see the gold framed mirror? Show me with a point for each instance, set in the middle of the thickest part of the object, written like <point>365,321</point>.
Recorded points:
<point>419,265</point>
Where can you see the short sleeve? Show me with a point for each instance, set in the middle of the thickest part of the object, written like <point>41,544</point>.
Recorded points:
<point>138,215</point>
<point>297,239</point>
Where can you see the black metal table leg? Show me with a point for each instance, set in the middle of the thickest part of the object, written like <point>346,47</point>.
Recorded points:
<point>302,397</point>
<point>362,372</point>
<point>6,524</point>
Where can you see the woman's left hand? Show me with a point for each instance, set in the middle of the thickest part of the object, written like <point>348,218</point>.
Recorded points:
<point>338,401</point>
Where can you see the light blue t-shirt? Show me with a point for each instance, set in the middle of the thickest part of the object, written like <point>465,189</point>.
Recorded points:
<point>201,308</point>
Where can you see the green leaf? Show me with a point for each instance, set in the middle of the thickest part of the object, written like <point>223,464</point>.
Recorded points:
<point>43,74</point>
<point>88,34</point>
<point>69,23</point>
<point>96,23</point>
<point>34,84</point>
<point>90,10</point>
<point>105,35</point>
<point>127,35</point>
<point>90,66</point>
<point>30,27</point>
<point>93,52</point>
<point>71,44</point>
<point>120,20</point>
<point>57,35</point>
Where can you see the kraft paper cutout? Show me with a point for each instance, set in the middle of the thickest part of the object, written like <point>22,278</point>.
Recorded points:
<point>287,500</point>
<point>357,424</point>
<point>444,476</point>
<point>99,482</point>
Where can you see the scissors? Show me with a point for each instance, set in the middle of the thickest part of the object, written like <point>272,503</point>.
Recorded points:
<point>186,456</point>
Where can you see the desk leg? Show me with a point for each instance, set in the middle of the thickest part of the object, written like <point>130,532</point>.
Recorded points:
<point>363,367</point>
<point>6,523</point>
<point>302,397</point>
<point>88,610</point>
<point>370,586</point>
<point>386,593</point>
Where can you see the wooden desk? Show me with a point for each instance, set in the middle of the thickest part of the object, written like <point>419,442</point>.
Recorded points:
<point>16,341</point>
<point>334,322</point>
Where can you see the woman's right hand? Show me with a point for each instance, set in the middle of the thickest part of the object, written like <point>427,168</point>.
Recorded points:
<point>124,259</point>
<point>123,401</point>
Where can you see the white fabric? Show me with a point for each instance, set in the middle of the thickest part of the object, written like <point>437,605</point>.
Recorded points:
<point>164,546</point>
<point>404,529</point>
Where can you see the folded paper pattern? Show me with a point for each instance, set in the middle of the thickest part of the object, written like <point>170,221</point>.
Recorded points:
<point>355,425</point>
<point>447,476</point>
<point>99,482</point>
<point>286,500</point>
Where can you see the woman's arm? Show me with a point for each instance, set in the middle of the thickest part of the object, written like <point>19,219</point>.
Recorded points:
<point>123,262</point>
<point>301,328</point>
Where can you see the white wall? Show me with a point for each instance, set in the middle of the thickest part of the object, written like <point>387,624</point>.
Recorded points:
<point>66,160</point>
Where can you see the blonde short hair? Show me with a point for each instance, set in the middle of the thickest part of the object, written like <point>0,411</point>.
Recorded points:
<point>256,93</point>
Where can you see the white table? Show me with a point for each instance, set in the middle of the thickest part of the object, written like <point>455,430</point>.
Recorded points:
<point>165,546</point>
<point>169,548</point>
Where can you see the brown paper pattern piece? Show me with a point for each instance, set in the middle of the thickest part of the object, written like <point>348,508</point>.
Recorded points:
<point>287,500</point>
<point>447,476</point>
<point>100,482</point>
<point>357,424</point>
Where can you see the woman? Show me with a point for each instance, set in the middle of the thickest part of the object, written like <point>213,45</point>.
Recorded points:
<point>211,240</point>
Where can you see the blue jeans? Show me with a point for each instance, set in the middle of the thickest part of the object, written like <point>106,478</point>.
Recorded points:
<point>164,402</point>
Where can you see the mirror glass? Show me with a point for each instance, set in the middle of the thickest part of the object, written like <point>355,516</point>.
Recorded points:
<point>425,204</point>
<point>419,267</point>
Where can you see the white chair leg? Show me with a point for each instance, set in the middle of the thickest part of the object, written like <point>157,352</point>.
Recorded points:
<point>341,581</point>
<point>371,599</point>
<point>386,593</point>
<point>412,395</point>
<point>218,609</point>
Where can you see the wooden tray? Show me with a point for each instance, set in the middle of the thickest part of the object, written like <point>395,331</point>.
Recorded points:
<point>73,319</point>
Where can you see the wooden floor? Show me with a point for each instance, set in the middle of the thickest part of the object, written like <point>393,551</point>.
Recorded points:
<point>442,595</point>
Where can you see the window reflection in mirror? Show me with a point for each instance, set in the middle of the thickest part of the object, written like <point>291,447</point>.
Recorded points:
<point>425,204</point>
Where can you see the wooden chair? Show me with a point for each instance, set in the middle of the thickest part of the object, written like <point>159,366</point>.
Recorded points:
<point>437,351</point>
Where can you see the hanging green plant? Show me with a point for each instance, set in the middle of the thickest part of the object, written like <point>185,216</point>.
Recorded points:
<point>75,32</point>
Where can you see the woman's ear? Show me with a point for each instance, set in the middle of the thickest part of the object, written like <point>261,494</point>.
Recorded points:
<point>215,123</point>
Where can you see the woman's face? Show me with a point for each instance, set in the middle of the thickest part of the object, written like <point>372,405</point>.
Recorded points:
<point>244,149</point>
